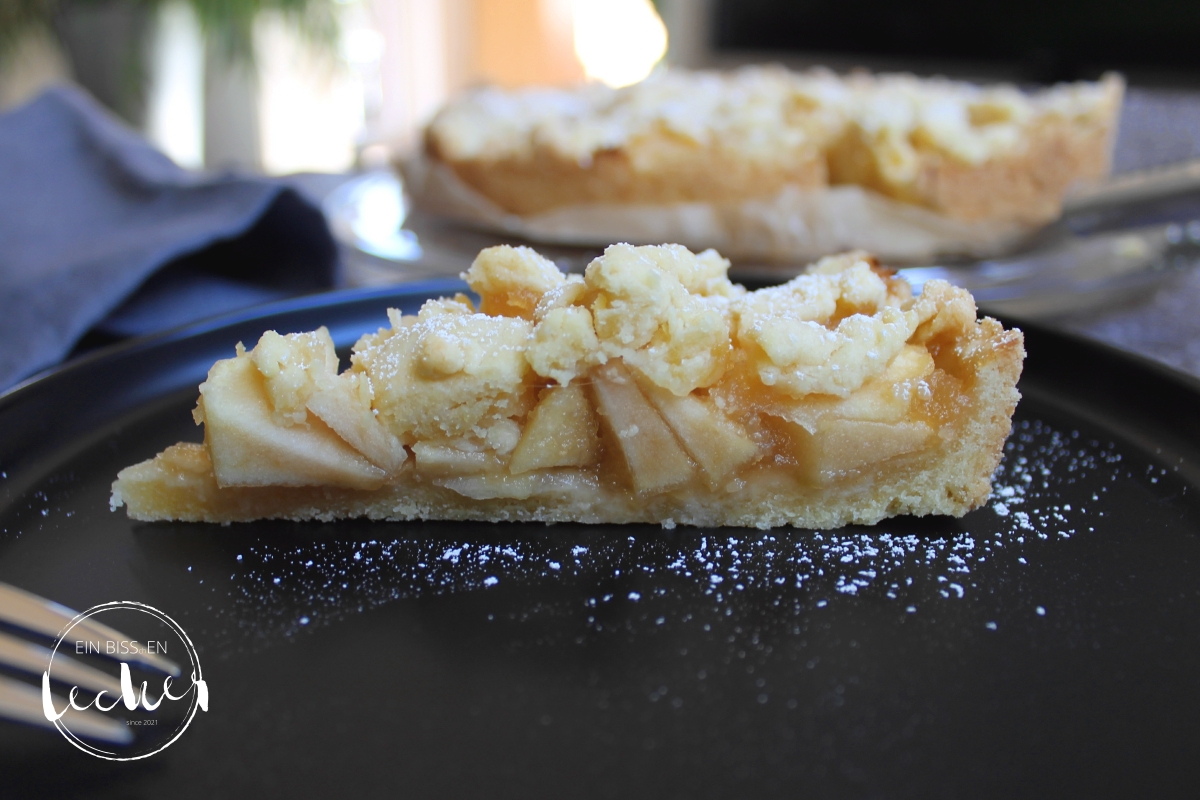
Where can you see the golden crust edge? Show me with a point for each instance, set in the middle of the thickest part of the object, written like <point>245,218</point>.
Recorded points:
<point>547,181</point>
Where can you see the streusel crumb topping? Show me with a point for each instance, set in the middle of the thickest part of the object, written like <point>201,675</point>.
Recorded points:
<point>671,315</point>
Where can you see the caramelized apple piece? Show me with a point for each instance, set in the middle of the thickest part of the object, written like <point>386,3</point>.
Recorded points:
<point>847,444</point>
<point>443,458</point>
<point>656,461</point>
<point>844,445</point>
<point>561,432</point>
<point>250,447</point>
<point>717,443</point>
<point>885,398</point>
<point>345,406</point>
<point>569,483</point>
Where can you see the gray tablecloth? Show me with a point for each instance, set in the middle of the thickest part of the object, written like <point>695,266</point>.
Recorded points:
<point>89,212</point>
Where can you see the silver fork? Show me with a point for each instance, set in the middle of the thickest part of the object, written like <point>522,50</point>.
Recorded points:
<point>22,702</point>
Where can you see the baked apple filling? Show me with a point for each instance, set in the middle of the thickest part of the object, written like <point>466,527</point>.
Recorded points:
<point>649,389</point>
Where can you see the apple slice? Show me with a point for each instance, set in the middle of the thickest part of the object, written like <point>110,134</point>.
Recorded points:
<point>656,461</point>
<point>884,398</point>
<point>443,458</point>
<point>343,407</point>
<point>840,446</point>
<point>562,432</point>
<point>847,444</point>
<point>576,485</point>
<point>717,443</point>
<point>249,447</point>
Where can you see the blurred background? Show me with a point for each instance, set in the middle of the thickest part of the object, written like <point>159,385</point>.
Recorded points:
<point>283,86</point>
<point>310,85</point>
<point>333,93</point>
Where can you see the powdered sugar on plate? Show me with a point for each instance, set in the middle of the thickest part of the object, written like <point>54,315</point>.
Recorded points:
<point>914,564</point>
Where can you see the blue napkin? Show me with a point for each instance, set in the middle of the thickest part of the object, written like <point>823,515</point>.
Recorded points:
<point>90,213</point>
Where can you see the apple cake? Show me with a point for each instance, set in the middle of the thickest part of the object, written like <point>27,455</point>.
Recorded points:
<point>649,389</point>
<point>968,152</point>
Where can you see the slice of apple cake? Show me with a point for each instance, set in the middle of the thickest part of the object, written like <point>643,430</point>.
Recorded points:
<point>964,151</point>
<point>649,390</point>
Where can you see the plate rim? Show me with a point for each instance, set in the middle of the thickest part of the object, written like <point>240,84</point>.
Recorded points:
<point>228,319</point>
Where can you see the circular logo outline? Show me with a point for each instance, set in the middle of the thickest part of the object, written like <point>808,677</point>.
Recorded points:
<point>161,616</point>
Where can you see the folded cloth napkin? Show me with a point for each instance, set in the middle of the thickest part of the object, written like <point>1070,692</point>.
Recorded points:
<point>89,212</point>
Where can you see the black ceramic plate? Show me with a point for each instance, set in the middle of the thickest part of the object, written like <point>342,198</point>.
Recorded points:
<point>1046,645</point>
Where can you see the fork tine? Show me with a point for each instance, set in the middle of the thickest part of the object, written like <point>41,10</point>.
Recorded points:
<point>34,659</point>
<point>39,615</point>
<point>23,703</point>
